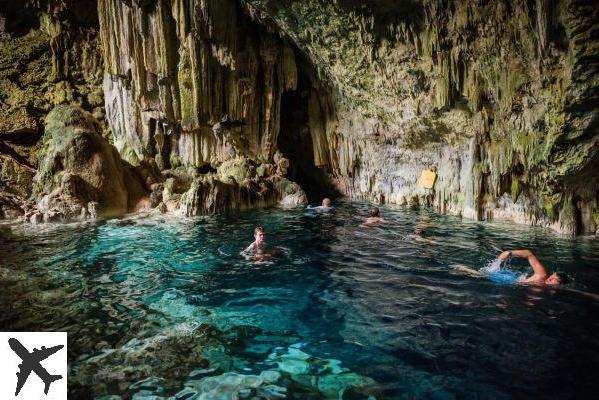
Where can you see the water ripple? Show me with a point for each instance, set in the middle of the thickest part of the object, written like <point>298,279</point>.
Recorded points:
<point>164,306</point>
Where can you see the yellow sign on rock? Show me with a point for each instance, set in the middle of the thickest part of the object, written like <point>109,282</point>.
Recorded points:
<point>427,179</point>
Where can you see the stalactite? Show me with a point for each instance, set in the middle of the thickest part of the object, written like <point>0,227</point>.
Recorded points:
<point>189,63</point>
<point>435,82</point>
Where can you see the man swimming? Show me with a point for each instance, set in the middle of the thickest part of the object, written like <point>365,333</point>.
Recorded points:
<point>258,248</point>
<point>375,216</point>
<point>540,275</point>
<point>325,207</point>
<point>498,275</point>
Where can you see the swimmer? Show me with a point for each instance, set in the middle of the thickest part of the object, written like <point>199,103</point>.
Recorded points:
<point>325,207</point>
<point>258,248</point>
<point>375,216</point>
<point>419,230</point>
<point>496,275</point>
<point>540,275</point>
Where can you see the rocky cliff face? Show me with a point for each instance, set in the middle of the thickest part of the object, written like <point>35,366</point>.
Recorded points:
<point>198,84</point>
<point>175,69</point>
<point>499,98</point>
<point>48,56</point>
<point>173,108</point>
<point>497,101</point>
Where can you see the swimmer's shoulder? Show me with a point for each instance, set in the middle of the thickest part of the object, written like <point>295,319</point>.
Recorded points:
<point>533,279</point>
<point>250,248</point>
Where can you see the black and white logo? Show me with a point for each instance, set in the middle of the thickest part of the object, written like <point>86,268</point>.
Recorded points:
<point>33,365</point>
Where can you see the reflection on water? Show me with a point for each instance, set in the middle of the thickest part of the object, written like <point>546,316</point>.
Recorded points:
<point>165,307</point>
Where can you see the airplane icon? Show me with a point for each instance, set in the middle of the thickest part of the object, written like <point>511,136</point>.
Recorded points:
<point>31,362</point>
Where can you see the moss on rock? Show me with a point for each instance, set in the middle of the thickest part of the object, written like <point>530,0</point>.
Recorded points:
<point>78,166</point>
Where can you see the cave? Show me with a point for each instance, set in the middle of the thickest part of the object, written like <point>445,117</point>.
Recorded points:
<point>163,165</point>
<point>360,97</point>
<point>295,142</point>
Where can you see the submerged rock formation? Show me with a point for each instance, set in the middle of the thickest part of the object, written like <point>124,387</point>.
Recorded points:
<point>498,101</point>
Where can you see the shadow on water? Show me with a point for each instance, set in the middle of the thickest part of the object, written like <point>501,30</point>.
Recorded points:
<point>163,306</point>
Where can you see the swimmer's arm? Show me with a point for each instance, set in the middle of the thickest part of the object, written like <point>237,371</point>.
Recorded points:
<point>535,263</point>
<point>249,250</point>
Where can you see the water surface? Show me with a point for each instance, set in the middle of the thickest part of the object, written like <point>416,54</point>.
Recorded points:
<point>165,307</point>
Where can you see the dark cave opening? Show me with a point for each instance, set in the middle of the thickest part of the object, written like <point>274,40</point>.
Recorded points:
<point>17,18</point>
<point>295,142</point>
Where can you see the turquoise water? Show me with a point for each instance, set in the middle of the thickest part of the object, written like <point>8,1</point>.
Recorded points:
<point>163,307</point>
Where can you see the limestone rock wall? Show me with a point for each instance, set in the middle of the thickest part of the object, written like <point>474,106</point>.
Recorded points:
<point>208,195</point>
<point>499,97</point>
<point>49,56</point>
<point>174,68</point>
<point>188,87</point>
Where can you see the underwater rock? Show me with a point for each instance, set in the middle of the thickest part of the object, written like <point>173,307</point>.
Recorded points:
<point>78,167</point>
<point>232,385</point>
<point>169,355</point>
<point>324,376</point>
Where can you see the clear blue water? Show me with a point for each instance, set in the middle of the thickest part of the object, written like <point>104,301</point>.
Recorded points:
<point>165,307</point>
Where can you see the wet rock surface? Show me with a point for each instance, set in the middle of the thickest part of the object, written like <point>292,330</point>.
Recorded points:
<point>239,184</point>
<point>193,360</point>
<point>209,195</point>
<point>80,173</point>
<point>48,56</point>
<point>211,91</point>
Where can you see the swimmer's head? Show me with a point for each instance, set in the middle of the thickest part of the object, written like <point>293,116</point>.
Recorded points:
<point>557,279</point>
<point>375,212</point>
<point>259,234</point>
<point>326,202</point>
